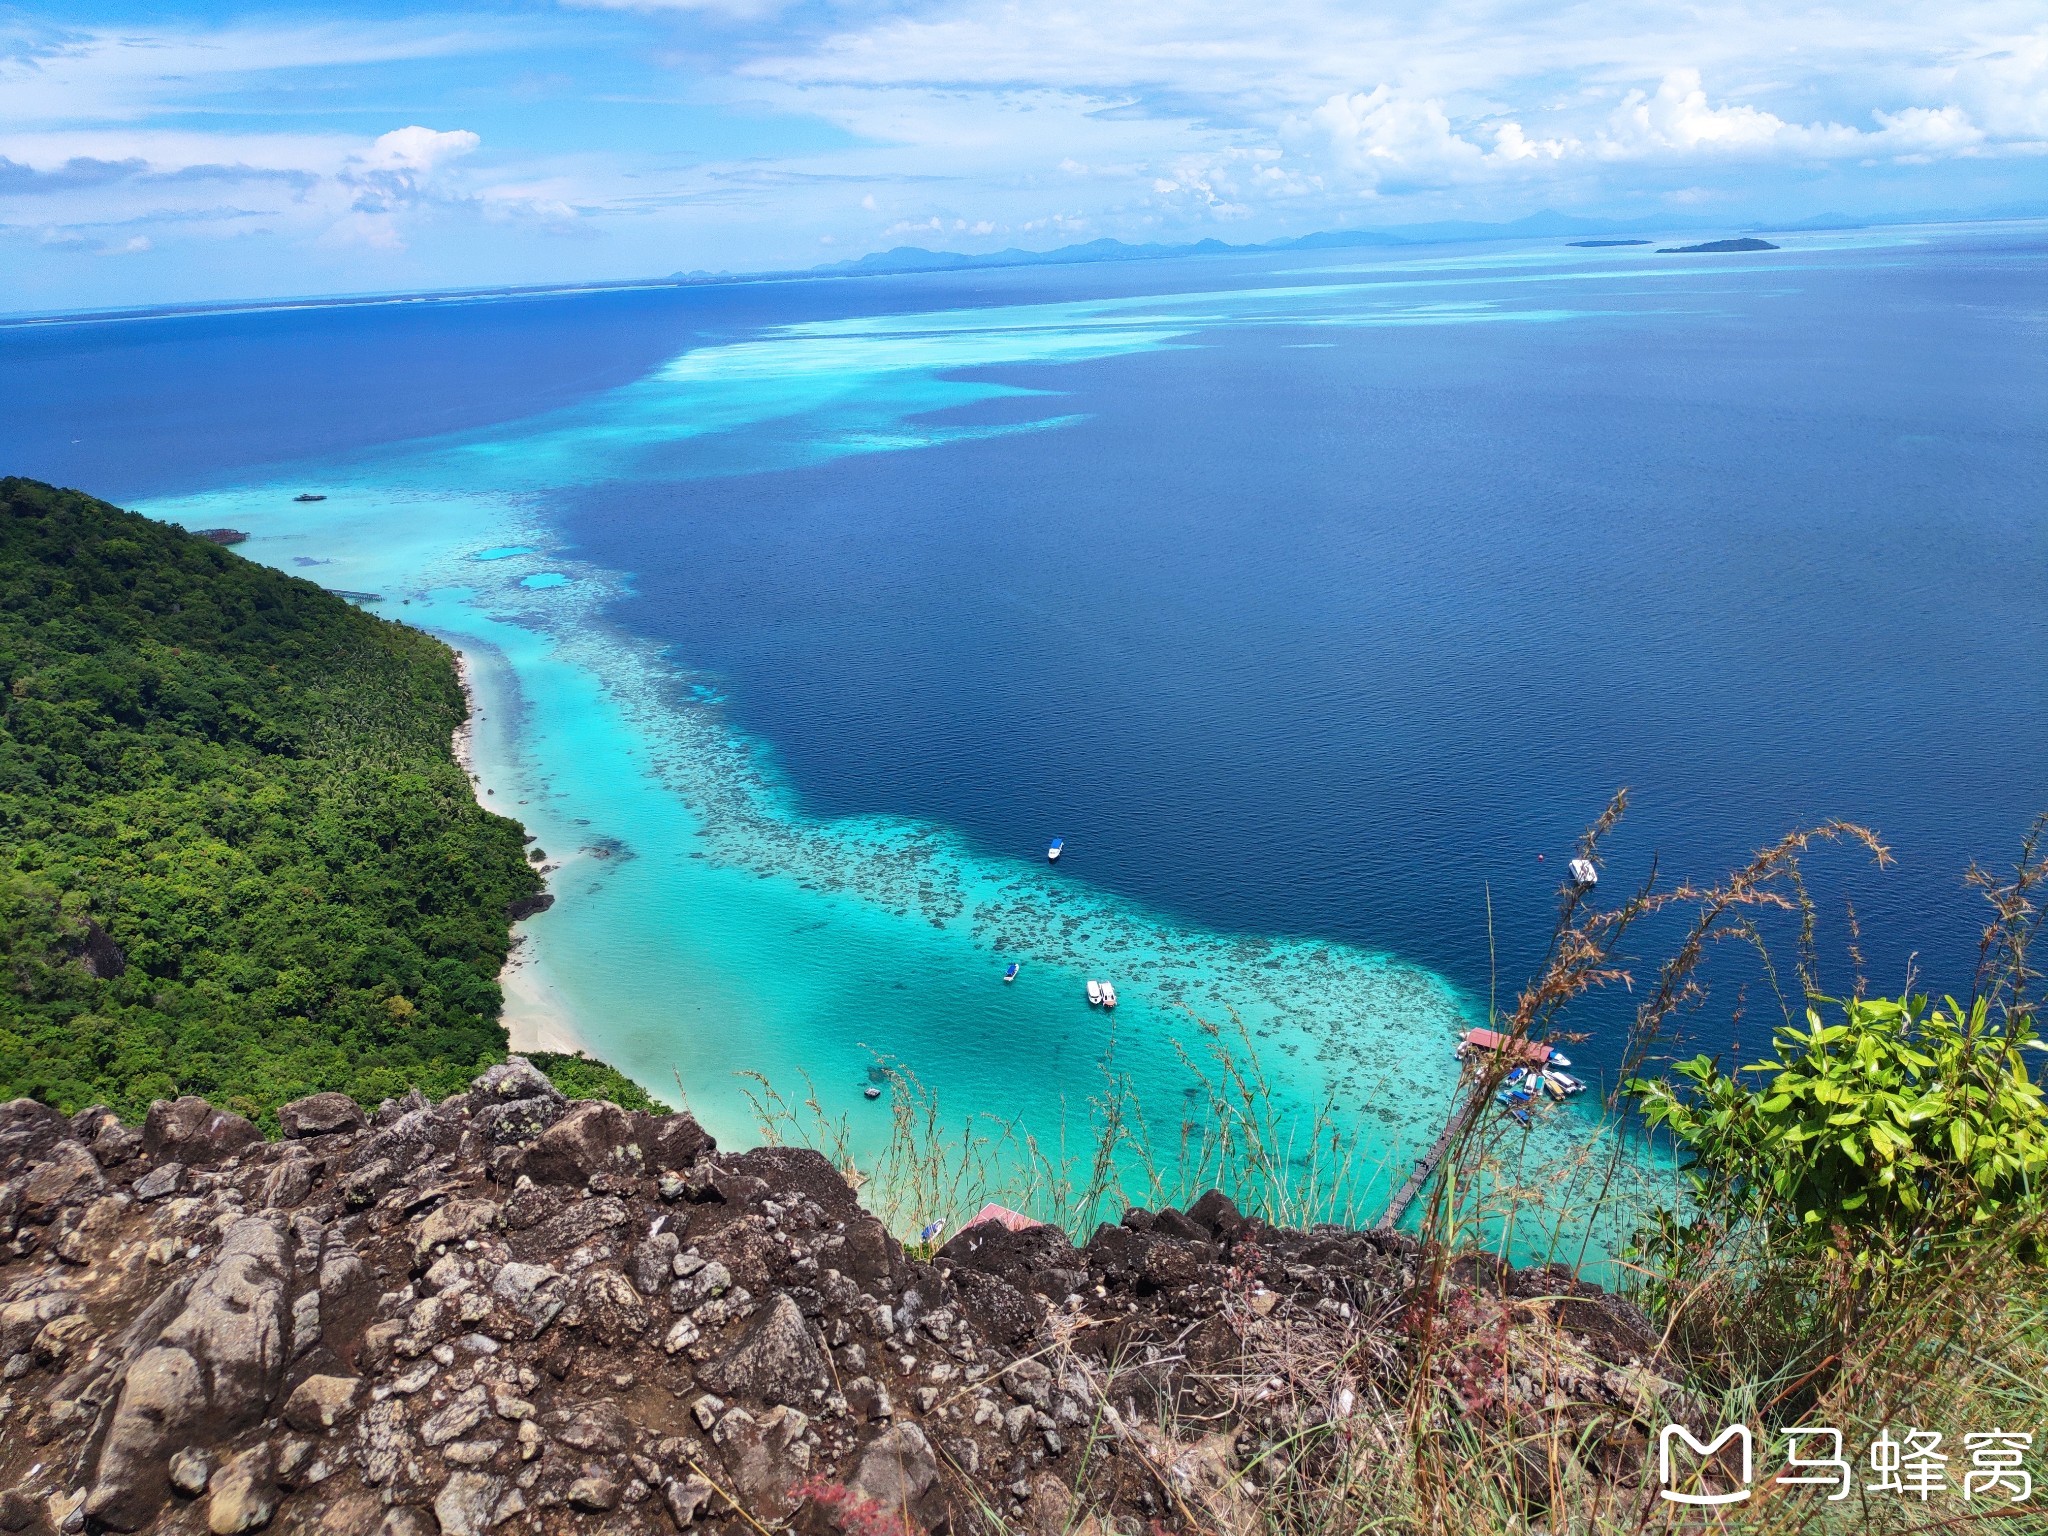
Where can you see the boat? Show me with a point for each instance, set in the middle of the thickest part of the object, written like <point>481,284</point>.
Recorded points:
<point>1052,850</point>
<point>1557,1090</point>
<point>1094,992</point>
<point>1520,1117</point>
<point>871,1092</point>
<point>1584,874</point>
<point>309,496</point>
<point>1563,1083</point>
<point>1108,995</point>
<point>1558,1059</point>
<point>1011,973</point>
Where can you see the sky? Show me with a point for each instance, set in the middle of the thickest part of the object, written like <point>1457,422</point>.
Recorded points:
<point>182,152</point>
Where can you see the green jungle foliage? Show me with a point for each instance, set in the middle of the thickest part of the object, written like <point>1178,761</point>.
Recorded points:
<point>582,1078</point>
<point>237,857</point>
<point>1869,1139</point>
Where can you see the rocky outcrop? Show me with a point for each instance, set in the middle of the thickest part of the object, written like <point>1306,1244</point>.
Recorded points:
<point>513,1312</point>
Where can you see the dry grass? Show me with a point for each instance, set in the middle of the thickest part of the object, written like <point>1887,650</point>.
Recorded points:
<point>1398,1424</point>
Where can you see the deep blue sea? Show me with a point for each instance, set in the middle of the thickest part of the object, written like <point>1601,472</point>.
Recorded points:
<point>1313,599</point>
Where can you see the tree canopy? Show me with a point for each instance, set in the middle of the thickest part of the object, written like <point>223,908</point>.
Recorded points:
<point>237,855</point>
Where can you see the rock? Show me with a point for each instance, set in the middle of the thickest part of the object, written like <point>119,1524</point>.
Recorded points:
<point>163,1393</point>
<point>777,1360</point>
<point>21,1322</point>
<point>460,1415</point>
<point>218,1362</point>
<point>68,1175</point>
<point>513,1078</point>
<point>453,1223</point>
<point>1006,1314</point>
<point>897,1469</point>
<point>685,1497</point>
<point>321,1114</point>
<point>320,1402</point>
<point>594,1495</point>
<point>674,1142</point>
<point>164,1179</point>
<point>194,1133</point>
<point>407,1521</point>
<point>191,1470</point>
<point>578,1224</point>
<point>868,1399</point>
<point>596,1429</point>
<point>233,1322</point>
<point>651,1261</point>
<point>768,1457</point>
<point>28,1129</point>
<point>467,1504</point>
<point>518,1122</point>
<point>535,1294</point>
<point>612,1307</point>
<point>244,1493</point>
<point>593,1137</point>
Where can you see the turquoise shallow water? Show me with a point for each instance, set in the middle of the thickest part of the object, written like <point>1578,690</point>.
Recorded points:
<point>705,927</point>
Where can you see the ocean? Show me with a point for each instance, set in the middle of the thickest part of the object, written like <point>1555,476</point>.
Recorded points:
<point>1317,600</point>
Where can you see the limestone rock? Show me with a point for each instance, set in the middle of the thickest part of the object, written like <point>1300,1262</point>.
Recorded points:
<point>321,1114</point>
<point>777,1360</point>
<point>593,1137</point>
<point>320,1402</point>
<point>68,1175</point>
<point>612,1307</point>
<point>453,1223</point>
<point>193,1132</point>
<point>467,1504</point>
<point>244,1493</point>
<point>897,1470</point>
<point>162,1180</point>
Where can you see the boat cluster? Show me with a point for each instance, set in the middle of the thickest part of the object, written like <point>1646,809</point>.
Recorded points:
<point>1524,1083</point>
<point>1101,994</point>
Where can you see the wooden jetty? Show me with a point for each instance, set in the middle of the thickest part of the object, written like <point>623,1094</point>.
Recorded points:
<point>1426,1165</point>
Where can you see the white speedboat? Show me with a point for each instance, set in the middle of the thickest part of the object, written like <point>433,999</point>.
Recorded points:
<point>1108,995</point>
<point>1584,874</point>
<point>1052,851</point>
<point>1094,992</point>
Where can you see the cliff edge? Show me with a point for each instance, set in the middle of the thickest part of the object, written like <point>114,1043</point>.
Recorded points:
<point>513,1311</point>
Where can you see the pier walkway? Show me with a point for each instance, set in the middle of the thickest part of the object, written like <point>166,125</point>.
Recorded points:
<point>1426,1165</point>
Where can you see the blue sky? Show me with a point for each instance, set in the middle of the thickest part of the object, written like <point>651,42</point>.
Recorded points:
<point>179,152</point>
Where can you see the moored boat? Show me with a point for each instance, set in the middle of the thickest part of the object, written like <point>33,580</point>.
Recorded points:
<point>1584,874</point>
<point>1052,850</point>
<point>309,496</point>
<point>1011,973</point>
<point>1108,995</point>
<point>871,1092</point>
<point>1094,992</point>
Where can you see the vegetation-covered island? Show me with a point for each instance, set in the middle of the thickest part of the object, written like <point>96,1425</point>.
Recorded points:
<point>237,856</point>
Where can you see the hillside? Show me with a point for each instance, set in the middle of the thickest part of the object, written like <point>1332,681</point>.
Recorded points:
<point>237,857</point>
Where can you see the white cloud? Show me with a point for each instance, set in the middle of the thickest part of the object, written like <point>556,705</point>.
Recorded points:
<point>418,151</point>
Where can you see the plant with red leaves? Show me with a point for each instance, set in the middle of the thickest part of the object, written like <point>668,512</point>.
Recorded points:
<point>850,1512</point>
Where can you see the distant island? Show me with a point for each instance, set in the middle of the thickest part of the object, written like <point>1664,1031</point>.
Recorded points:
<point>1590,245</point>
<point>1747,243</point>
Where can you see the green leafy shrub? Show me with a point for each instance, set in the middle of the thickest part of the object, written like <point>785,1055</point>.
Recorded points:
<point>1899,1128</point>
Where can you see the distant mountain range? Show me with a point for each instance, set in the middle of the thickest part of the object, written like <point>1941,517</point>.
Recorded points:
<point>1537,226</point>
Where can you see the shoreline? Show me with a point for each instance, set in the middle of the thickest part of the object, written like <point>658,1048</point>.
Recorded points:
<point>534,1015</point>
